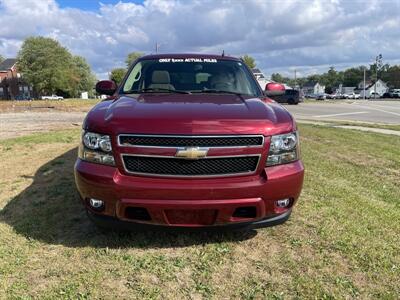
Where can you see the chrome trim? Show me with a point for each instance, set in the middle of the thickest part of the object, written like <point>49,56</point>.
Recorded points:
<point>190,176</point>
<point>191,136</point>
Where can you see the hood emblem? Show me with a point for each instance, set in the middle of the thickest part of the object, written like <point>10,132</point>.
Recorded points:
<point>192,153</point>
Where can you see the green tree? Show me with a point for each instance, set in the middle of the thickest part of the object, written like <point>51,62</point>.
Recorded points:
<point>132,57</point>
<point>353,76</point>
<point>278,78</point>
<point>82,78</point>
<point>45,65</point>
<point>117,75</point>
<point>392,76</point>
<point>314,78</point>
<point>51,68</point>
<point>331,80</point>
<point>1,58</point>
<point>249,61</point>
<point>349,77</point>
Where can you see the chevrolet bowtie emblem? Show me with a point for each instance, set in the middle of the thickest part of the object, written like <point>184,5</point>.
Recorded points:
<point>192,153</point>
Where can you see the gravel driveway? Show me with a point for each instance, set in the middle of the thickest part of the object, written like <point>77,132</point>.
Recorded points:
<point>24,123</point>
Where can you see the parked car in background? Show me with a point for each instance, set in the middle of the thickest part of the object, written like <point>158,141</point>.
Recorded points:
<point>387,95</point>
<point>291,96</point>
<point>338,96</point>
<point>347,96</point>
<point>321,97</point>
<point>395,93</point>
<point>22,97</point>
<point>352,96</point>
<point>52,97</point>
<point>374,95</point>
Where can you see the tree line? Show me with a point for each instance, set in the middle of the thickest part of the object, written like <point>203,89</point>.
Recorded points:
<point>51,69</point>
<point>350,77</point>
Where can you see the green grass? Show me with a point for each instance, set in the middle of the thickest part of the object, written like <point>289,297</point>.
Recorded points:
<point>370,125</point>
<point>342,240</point>
<point>52,137</point>
<point>334,123</point>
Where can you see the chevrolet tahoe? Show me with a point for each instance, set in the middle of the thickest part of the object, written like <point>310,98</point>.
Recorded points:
<point>189,140</point>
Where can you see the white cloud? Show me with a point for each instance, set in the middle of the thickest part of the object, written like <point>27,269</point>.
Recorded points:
<point>281,35</point>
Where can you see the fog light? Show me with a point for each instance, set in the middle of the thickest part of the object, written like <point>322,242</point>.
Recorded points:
<point>283,202</point>
<point>96,204</point>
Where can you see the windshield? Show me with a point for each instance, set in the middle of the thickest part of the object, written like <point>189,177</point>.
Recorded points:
<point>190,75</point>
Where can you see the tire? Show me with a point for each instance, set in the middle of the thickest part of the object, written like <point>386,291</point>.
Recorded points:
<point>291,101</point>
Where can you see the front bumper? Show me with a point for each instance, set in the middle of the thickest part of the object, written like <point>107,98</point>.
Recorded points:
<point>115,223</point>
<point>189,202</point>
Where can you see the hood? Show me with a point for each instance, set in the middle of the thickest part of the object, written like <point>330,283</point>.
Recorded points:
<point>189,114</point>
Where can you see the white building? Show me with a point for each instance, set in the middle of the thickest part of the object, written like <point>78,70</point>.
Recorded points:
<point>379,87</point>
<point>313,89</point>
<point>348,90</point>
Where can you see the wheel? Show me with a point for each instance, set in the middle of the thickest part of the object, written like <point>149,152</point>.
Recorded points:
<point>290,101</point>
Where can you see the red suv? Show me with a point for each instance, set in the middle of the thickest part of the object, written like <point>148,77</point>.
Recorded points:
<point>189,141</point>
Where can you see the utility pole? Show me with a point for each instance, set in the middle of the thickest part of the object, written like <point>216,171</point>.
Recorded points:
<point>157,47</point>
<point>378,65</point>
<point>364,84</point>
<point>295,79</point>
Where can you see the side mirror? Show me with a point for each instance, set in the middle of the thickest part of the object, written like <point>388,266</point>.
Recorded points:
<point>274,89</point>
<point>106,87</point>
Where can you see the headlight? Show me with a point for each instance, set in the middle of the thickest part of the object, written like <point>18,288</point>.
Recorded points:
<point>96,148</point>
<point>95,141</point>
<point>284,148</point>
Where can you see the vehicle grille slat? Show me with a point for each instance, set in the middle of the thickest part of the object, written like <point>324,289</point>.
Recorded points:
<point>181,167</point>
<point>190,141</point>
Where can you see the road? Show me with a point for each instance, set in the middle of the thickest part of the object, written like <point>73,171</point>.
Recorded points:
<point>387,112</point>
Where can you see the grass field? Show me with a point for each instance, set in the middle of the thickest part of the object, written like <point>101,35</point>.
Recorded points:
<point>353,123</point>
<point>370,125</point>
<point>342,240</point>
<point>43,105</point>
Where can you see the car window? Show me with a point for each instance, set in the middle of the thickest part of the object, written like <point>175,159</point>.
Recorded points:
<point>134,77</point>
<point>192,75</point>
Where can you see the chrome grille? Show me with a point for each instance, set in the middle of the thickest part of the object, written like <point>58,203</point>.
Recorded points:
<point>210,166</point>
<point>190,141</point>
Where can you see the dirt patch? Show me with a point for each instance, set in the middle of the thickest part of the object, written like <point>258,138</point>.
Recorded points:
<point>77,105</point>
<point>25,123</point>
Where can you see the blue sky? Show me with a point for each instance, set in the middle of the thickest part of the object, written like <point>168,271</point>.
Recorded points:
<point>91,5</point>
<point>306,35</point>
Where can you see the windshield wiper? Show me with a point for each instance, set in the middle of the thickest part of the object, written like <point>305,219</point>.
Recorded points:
<point>215,91</point>
<point>157,90</point>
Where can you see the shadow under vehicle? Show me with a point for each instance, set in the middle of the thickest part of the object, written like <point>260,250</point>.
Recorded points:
<point>50,211</point>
